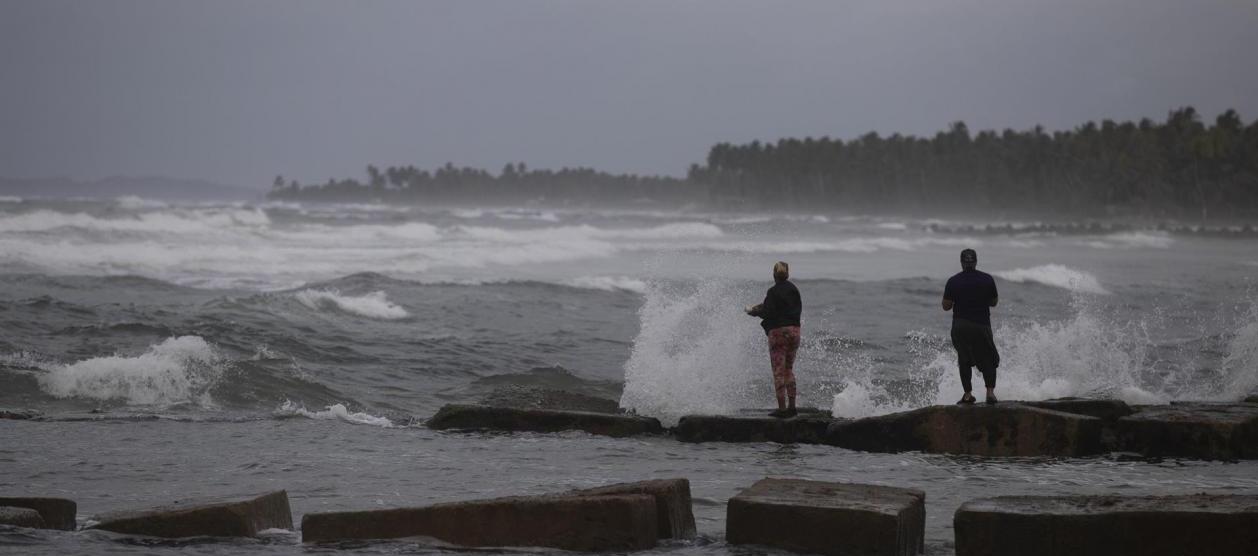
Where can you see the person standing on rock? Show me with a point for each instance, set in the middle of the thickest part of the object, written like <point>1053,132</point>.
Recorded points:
<point>970,295</point>
<point>779,316</point>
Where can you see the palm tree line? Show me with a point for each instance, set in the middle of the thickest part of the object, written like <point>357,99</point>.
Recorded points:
<point>1181,167</point>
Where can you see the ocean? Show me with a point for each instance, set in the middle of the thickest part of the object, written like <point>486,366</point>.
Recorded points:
<point>182,350</point>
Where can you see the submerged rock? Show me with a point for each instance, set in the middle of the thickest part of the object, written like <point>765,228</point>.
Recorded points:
<point>828,518</point>
<point>580,523</point>
<point>1108,525</point>
<point>672,503</point>
<point>1000,430</point>
<point>533,397</point>
<point>483,418</point>
<point>1192,430</point>
<point>57,513</point>
<point>805,428</point>
<point>238,517</point>
<point>21,517</point>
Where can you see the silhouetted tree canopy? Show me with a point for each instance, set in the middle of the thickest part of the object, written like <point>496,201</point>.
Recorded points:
<point>1180,167</point>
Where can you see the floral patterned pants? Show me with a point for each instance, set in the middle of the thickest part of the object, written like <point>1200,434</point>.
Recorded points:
<point>783,343</point>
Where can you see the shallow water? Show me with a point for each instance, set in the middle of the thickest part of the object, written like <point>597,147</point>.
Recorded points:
<point>290,346</point>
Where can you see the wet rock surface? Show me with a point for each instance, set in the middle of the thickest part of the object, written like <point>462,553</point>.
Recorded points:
<point>233,517</point>
<point>1107,525</point>
<point>580,523</point>
<point>1192,430</point>
<point>1000,430</point>
<point>809,427</point>
<point>19,414</point>
<point>532,397</point>
<point>484,418</point>
<point>828,518</point>
<point>21,517</point>
<point>1106,410</point>
<point>57,513</point>
<point>673,507</point>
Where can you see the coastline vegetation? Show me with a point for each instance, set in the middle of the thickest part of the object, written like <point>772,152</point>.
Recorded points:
<point>1180,168</point>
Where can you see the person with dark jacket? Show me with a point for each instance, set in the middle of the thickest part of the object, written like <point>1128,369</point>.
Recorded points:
<point>970,295</point>
<point>779,316</point>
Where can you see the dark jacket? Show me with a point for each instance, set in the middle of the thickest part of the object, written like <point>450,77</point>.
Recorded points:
<point>782,306</point>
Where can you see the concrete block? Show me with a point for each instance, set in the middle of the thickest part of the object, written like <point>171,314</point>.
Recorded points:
<point>21,517</point>
<point>1203,525</point>
<point>802,429</point>
<point>236,517</point>
<point>673,508</point>
<point>1192,430</point>
<point>485,418</point>
<point>580,523</point>
<point>58,513</point>
<point>1000,430</point>
<point>828,518</point>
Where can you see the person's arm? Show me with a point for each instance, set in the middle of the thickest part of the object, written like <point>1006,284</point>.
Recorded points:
<point>947,298</point>
<point>995,296</point>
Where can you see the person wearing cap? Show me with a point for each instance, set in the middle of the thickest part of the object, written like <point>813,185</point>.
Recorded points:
<point>779,316</point>
<point>970,295</point>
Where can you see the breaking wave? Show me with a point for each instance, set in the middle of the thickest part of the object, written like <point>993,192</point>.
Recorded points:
<point>1057,276</point>
<point>1129,240</point>
<point>334,412</point>
<point>177,371</point>
<point>374,305</point>
<point>609,283</point>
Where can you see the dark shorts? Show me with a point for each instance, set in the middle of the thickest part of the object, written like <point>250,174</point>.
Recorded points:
<point>975,346</point>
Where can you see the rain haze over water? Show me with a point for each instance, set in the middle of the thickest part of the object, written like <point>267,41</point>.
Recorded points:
<point>186,334</point>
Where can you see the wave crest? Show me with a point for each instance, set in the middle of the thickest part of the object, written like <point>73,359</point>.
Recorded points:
<point>375,305</point>
<point>1058,276</point>
<point>178,370</point>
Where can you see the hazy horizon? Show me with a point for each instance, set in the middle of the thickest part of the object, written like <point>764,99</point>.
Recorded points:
<point>236,93</point>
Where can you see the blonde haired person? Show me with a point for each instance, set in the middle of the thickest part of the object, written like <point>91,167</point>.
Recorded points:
<point>779,316</point>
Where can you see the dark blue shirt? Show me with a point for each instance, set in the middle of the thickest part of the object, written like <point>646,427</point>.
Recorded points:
<point>782,306</point>
<point>971,292</point>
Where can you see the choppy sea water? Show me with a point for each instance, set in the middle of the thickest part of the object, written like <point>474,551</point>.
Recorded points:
<point>299,346</point>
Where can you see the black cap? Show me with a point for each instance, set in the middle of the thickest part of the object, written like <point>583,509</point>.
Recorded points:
<point>969,257</point>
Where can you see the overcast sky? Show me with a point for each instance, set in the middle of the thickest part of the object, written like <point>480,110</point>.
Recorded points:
<point>237,91</point>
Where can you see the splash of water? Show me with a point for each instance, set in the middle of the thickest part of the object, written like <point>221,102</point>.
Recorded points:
<point>178,370</point>
<point>375,305</point>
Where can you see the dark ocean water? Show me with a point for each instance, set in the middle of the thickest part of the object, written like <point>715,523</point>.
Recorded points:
<point>201,350</point>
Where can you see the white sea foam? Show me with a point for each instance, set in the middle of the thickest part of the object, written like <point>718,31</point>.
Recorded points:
<point>851,245</point>
<point>1057,276</point>
<point>10,199</point>
<point>178,370</point>
<point>1134,240</point>
<point>893,226</point>
<point>375,305</point>
<point>609,283</point>
<point>200,221</point>
<point>131,202</point>
<point>335,412</point>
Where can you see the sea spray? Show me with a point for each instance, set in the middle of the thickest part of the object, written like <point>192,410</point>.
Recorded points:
<point>695,351</point>
<point>178,370</point>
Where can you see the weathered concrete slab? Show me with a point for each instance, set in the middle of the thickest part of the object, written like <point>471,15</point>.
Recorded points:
<point>1192,430</point>
<point>673,509</point>
<point>828,518</point>
<point>801,429</point>
<point>237,517</point>
<point>1000,430</point>
<point>57,513</point>
<point>1106,410</point>
<point>1108,525</point>
<point>21,517</point>
<point>533,397</point>
<point>484,418</point>
<point>581,523</point>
